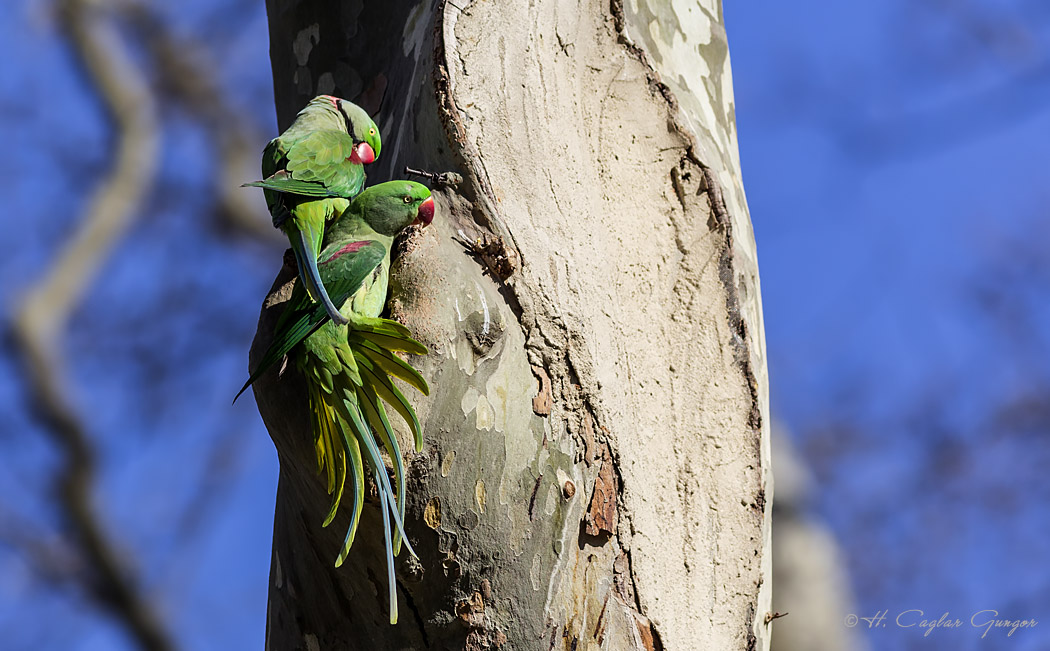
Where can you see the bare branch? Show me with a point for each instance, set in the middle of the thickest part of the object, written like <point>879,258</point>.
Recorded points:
<point>40,322</point>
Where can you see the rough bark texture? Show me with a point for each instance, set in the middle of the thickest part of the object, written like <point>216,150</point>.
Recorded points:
<point>595,471</point>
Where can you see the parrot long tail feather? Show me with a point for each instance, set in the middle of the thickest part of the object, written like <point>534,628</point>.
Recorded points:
<point>339,466</point>
<point>352,429</point>
<point>336,463</point>
<point>389,554</point>
<point>376,417</point>
<point>346,356</point>
<point>357,464</point>
<point>340,486</point>
<point>394,365</point>
<point>318,428</point>
<point>323,443</point>
<point>374,458</point>
<point>350,411</point>
<point>388,341</point>
<point>393,396</point>
<point>306,260</point>
<point>382,326</point>
<point>330,457</point>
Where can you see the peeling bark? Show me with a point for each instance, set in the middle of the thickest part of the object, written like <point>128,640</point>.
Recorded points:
<point>595,464</point>
<point>541,404</point>
<point>600,519</point>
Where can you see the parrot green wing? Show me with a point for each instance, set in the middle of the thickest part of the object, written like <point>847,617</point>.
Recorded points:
<point>273,159</point>
<point>284,182</point>
<point>274,156</point>
<point>323,158</point>
<point>317,165</point>
<point>345,267</point>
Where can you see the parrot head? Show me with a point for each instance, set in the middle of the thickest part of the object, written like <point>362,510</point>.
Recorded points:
<point>362,129</point>
<point>390,207</point>
<point>357,123</point>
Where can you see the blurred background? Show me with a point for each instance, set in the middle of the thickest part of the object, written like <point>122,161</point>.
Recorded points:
<point>895,156</point>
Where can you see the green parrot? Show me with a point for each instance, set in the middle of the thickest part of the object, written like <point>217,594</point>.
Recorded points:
<point>310,172</point>
<point>348,368</point>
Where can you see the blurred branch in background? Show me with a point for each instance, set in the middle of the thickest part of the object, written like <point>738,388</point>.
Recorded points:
<point>185,73</point>
<point>138,65</point>
<point>40,322</point>
<point>811,581</point>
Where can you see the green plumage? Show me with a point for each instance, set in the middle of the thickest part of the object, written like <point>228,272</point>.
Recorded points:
<point>348,367</point>
<point>310,173</point>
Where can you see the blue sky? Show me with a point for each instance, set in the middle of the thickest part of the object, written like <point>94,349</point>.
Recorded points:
<point>894,158</point>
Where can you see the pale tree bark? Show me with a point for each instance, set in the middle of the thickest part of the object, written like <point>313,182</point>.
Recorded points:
<point>595,470</point>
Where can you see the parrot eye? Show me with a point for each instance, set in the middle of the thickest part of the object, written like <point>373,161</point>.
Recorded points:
<point>371,132</point>
<point>408,199</point>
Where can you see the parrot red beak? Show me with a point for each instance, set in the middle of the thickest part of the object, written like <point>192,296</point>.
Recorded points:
<point>426,212</point>
<point>363,153</point>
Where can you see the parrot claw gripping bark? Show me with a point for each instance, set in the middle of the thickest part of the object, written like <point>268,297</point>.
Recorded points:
<point>348,367</point>
<point>311,171</point>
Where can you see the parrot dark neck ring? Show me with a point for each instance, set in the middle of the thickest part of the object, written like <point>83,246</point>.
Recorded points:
<point>347,120</point>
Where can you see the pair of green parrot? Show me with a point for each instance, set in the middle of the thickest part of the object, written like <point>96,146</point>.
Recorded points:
<point>341,235</point>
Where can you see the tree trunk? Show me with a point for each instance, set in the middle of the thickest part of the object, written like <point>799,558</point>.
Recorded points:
<point>595,469</point>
